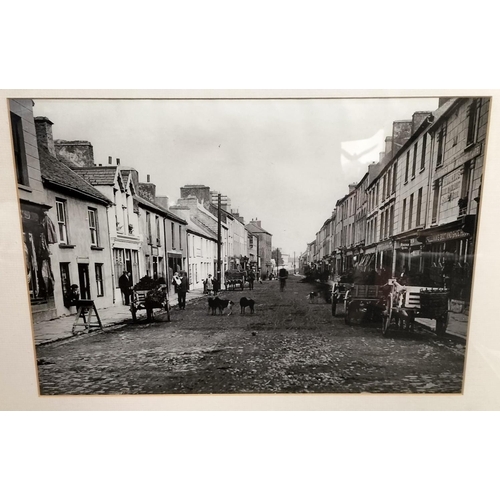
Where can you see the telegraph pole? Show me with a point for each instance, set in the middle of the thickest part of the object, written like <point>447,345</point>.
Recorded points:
<point>219,240</point>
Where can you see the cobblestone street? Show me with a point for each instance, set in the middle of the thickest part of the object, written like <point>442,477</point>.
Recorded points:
<point>288,346</point>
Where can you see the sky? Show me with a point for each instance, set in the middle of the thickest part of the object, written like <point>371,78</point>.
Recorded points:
<point>284,162</point>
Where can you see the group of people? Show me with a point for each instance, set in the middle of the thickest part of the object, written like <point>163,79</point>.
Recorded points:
<point>211,285</point>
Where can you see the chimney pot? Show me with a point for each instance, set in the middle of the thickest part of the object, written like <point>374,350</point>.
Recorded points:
<point>118,161</point>
<point>148,178</point>
<point>110,160</point>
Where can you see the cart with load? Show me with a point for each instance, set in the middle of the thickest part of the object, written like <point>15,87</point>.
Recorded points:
<point>364,303</point>
<point>233,279</point>
<point>149,294</point>
<point>404,304</point>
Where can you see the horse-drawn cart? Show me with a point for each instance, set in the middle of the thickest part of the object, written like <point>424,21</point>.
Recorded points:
<point>363,303</point>
<point>404,304</point>
<point>233,279</point>
<point>149,295</point>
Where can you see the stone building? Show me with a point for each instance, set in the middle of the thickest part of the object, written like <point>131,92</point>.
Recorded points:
<point>264,246</point>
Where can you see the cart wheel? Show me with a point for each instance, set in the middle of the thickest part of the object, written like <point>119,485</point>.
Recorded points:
<point>442,324</point>
<point>334,306</point>
<point>348,316</point>
<point>167,309</point>
<point>387,316</point>
<point>149,313</point>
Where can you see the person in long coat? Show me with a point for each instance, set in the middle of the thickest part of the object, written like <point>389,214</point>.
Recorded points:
<point>125,284</point>
<point>182,289</point>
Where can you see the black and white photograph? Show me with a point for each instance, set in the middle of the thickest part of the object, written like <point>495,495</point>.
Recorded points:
<point>249,245</point>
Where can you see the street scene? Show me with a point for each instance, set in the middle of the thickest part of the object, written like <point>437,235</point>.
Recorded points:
<point>290,344</point>
<point>250,246</point>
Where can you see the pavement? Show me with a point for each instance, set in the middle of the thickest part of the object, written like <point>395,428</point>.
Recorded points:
<point>457,324</point>
<point>60,328</point>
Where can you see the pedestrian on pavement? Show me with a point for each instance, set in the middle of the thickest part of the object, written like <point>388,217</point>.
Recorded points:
<point>210,285</point>
<point>182,289</point>
<point>125,284</point>
<point>176,281</point>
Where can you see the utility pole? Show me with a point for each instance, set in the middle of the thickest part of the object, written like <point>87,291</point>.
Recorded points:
<point>219,240</point>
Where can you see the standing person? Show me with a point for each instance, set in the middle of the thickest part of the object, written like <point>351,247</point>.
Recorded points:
<point>125,284</point>
<point>210,284</point>
<point>283,275</point>
<point>216,285</point>
<point>182,289</point>
<point>251,279</point>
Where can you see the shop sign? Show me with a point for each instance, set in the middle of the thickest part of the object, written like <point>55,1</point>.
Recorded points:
<point>450,235</point>
<point>384,246</point>
<point>451,186</point>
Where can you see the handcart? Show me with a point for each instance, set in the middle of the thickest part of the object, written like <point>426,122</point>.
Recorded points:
<point>149,295</point>
<point>404,304</point>
<point>233,279</point>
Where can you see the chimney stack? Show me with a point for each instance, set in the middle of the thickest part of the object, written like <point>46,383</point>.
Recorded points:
<point>44,134</point>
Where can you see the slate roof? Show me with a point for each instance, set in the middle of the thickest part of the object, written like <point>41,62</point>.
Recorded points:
<point>98,176</point>
<point>253,228</point>
<point>59,174</point>
<point>153,206</point>
<point>196,226</point>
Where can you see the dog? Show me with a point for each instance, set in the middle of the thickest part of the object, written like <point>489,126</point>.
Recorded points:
<point>313,297</point>
<point>212,305</point>
<point>222,304</point>
<point>217,304</point>
<point>244,303</point>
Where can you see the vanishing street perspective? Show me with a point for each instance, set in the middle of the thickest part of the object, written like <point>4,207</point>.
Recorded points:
<point>250,246</point>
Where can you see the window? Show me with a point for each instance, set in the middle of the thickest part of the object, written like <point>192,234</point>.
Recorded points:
<point>473,116</point>
<point>407,165</point>
<point>394,177</point>
<point>180,238</point>
<point>414,164</point>
<point>384,187</point>
<point>62,221</point>
<point>158,238</point>
<point>419,206</point>
<point>148,227</point>
<point>172,232</point>
<point>391,222</point>
<point>435,201</point>
<point>440,152</point>
<point>382,216</point>
<point>424,147</point>
<point>94,235</point>
<point>410,212</point>
<point>99,280</point>
<point>65,282</point>
<point>403,216</point>
<point>19,149</point>
<point>466,180</point>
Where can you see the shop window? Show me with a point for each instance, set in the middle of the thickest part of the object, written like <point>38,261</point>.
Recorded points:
<point>62,221</point>
<point>19,149</point>
<point>99,280</point>
<point>94,234</point>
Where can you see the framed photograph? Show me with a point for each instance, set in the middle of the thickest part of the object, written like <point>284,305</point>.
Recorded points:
<point>291,250</point>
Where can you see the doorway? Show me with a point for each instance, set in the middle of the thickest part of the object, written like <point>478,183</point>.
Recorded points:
<point>83,275</point>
